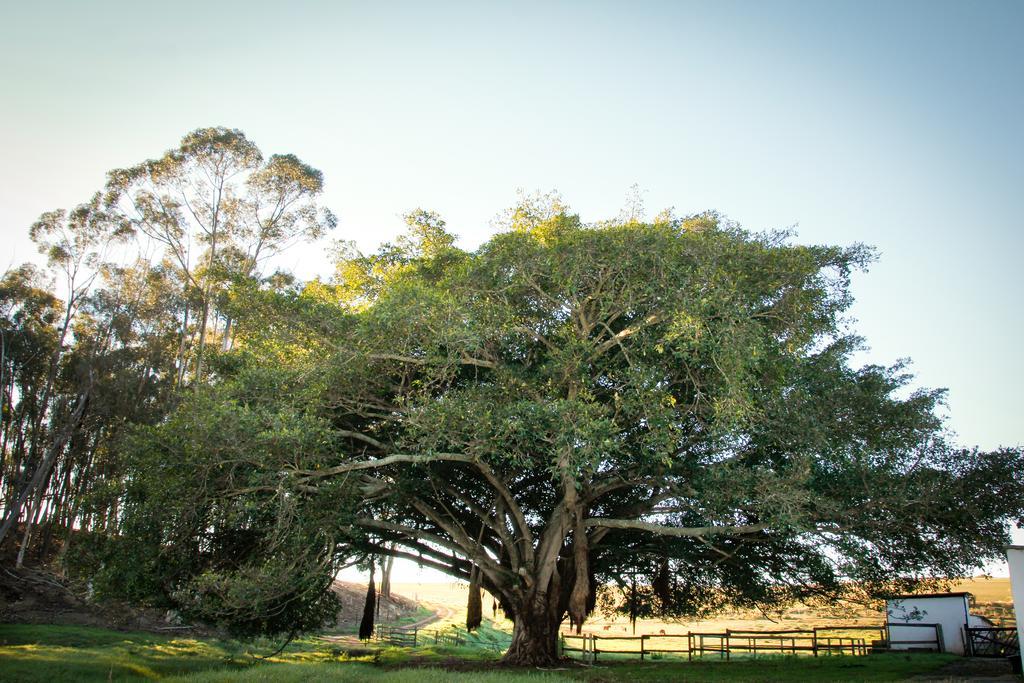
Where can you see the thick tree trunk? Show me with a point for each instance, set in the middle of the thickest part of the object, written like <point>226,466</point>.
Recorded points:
<point>535,635</point>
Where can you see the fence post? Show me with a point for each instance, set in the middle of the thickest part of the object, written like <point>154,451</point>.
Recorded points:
<point>689,646</point>
<point>642,638</point>
<point>814,641</point>
<point>938,638</point>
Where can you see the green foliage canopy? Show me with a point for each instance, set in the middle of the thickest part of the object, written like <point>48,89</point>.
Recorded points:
<point>670,404</point>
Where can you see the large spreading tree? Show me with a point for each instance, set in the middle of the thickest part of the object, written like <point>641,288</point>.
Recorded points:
<point>670,405</point>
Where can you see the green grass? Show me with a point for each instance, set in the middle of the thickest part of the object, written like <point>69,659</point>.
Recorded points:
<point>299,673</point>
<point>772,669</point>
<point>486,636</point>
<point>57,653</point>
<point>420,614</point>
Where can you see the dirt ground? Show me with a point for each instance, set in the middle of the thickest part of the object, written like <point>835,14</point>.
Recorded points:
<point>28,596</point>
<point>352,597</point>
<point>972,670</point>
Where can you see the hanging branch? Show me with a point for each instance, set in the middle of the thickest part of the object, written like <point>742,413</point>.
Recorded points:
<point>366,625</point>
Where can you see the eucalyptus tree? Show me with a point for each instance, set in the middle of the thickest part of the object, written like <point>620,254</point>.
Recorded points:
<point>99,339</point>
<point>670,405</point>
<point>29,320</point>
<point>76,245</point>
<point>219,210</point>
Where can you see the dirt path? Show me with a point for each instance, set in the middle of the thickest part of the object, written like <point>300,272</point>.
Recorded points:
<point>970,670</point>
<point>441,612</point>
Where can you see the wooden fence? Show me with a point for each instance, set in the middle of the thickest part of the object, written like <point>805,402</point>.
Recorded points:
<point>397,635</point>
<point>930,640</point>
<point>815,642</point>
<point>411,636</point>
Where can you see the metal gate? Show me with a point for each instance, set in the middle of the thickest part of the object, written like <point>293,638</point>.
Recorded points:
<point>992,642</point>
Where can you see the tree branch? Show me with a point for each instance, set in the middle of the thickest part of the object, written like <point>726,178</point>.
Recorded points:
<point>664,530</point>
<point>383,462</point>
<point>624,333</point>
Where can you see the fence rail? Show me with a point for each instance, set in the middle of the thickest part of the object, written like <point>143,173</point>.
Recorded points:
<point>397,635</point>
<point>411,636</point>
<point>816,642</point>
<point>822,641</point>
<point>934,643</point>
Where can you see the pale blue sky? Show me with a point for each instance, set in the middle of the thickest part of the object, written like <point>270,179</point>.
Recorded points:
<point>897,124</point>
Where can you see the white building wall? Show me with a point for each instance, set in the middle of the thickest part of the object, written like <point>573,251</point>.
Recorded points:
<point>949,611</point>
<point>1015,558</point>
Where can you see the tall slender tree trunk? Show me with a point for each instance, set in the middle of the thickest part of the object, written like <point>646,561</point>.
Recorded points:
<point>183,343</point>
<point>202,339</point>
<point>226,341</point>
<point>75,504</point>
<point>43,471</point>
<point>208,284</point>
<point>385,575</point>
<point>30,523</point>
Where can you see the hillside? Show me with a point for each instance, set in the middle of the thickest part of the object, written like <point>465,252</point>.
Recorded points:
<point>29,596</point>
<point>991,599</point>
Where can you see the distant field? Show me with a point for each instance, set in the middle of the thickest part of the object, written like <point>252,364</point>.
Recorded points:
<point>987,590</point>
<point>992,598</point>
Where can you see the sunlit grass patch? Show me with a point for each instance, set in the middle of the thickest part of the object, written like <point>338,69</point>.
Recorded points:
<point>54,653</point>
<point>58,653</point>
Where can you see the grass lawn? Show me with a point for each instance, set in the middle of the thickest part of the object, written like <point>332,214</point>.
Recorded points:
<point>58,653</point>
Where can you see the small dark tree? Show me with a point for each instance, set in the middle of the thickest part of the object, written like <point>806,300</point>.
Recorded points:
<point>474,605</point>
<point>366,625</point>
